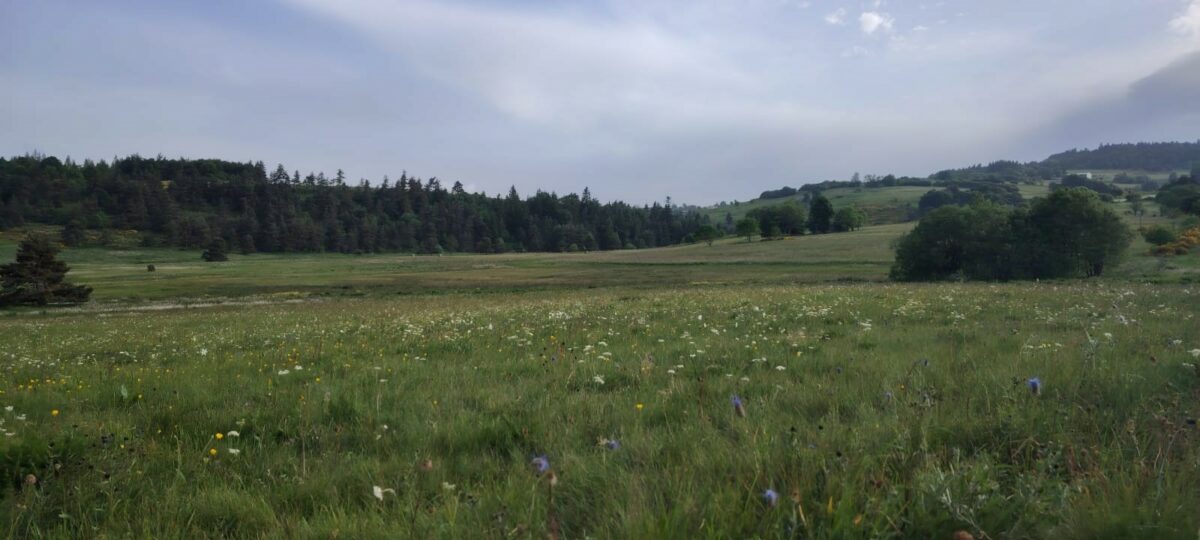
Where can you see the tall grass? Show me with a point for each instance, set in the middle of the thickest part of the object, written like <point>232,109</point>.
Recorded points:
<point>872,410</point>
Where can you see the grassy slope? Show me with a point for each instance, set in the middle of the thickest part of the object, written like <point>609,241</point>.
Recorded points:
<point>883,205</point>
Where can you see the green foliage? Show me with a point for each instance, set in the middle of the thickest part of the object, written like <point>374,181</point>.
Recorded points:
<point>37,277</point>
<point>215,252</point>
<point>707,234</point>
<point>748,227</point>
<point>1158,235</point>
<point>820,215</point>
<point>189,203</point>
<point>73,234</point>
<point>1181,195</point>
<point>849,218</point>
<point>1067,234</point>
<point>782,219</point>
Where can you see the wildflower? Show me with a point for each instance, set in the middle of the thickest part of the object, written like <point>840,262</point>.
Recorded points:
<point>284,371</point>
<point>770,497</point>
<point>30,479</point>
<point>1035,386</point>
<point>219,435</point>
<point>233,434</point>
<point>234,451</point>
<point>1195,353</point>
<point>448,486</point>
<point>598,380</point>
<point>780,368</point>
<point>639,406</point>
<point>378,492</point>
<point>212,452</point>
<point>54,412</point>
<point>540,464</point>
<point>611,444</point>
<point>738,407</point>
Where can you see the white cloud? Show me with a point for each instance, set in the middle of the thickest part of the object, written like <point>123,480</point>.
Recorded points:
<point>871,21</point>
<point>837,17</point>
<point>1187,24</point>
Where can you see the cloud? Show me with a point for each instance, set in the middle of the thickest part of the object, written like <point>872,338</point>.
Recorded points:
<point>871,21</point>
<point>1187,24</point>
<point>837,17</point>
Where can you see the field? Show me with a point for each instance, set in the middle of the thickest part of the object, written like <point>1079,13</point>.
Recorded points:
<point>882,205</point>
<point>384,396</point>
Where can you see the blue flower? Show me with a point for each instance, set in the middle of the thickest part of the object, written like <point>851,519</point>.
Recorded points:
<point>612,444</point>
<point>738,407</point>
<point>540,464</point>
<point>770,497</point>
<point>1035,386</point>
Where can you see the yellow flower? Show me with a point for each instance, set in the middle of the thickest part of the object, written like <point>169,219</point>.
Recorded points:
<point>54,412</point>
<point>220,436</point>
<point>212,452</point>
<point>640,406</point>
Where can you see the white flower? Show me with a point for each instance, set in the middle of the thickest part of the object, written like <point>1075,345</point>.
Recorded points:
<point>1194,352</point>
<point>203,352</point>
<point>779,368</point>
<point>378,491</point>
<point>284,372</point>
<point>8,408</point>
<point>670,372</point>
<point>598,379</point>
<point>232,434</point>
<point>234,451</point>
<point>299,367</point>
<point>448,486</point>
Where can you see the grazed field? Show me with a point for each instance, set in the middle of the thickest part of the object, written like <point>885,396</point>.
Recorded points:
<point>872,410</point>
<point>121,274</point>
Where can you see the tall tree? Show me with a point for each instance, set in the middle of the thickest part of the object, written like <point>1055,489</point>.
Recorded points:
<point>820,215</point>
<point>38,277</point>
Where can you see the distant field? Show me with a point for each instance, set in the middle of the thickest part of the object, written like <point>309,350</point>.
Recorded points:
<point>882,205</point>
<point>121,274</point>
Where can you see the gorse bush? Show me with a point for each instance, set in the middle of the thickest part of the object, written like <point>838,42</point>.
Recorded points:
<point>1070,233</point>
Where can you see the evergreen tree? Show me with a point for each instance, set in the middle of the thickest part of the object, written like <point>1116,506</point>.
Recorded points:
<point>215,252</point>
<point>38,277</point>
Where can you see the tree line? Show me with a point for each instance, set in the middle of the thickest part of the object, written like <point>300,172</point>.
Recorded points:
<point>197,203</point>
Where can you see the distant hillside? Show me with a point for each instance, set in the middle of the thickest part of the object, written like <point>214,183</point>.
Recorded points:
<point>890,199</point>
<point>1154,157</point>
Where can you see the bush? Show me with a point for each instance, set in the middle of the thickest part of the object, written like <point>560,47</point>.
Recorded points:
<point>1158,235</point>
<point>215,252</point>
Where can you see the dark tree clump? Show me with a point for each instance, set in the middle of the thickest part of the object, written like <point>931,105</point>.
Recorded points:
<point>215,252</point>
<point>37,277</point>
<point>820,215</point>
<point>1071,233</point>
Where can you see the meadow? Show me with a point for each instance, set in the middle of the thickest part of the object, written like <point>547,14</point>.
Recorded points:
<point>764,389</point>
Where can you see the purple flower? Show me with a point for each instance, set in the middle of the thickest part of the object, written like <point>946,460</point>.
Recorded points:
<point>612,444</point>
<point>540,464</point>
<point>770,497</point>
<point>1035,386</point>
<point>738,407</point>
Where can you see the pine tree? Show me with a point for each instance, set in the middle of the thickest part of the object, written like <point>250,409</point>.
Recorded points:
<point>37,277</point>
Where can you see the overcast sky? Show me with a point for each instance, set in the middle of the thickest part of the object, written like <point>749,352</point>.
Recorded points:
<point>701,100</point>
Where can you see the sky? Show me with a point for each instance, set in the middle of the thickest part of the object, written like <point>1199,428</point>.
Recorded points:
<point>699,100</point>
